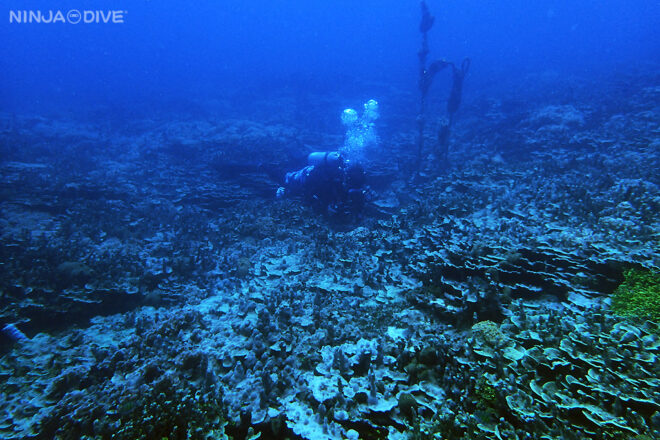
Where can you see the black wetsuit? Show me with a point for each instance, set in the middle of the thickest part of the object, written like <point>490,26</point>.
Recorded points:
<point>327,187</point>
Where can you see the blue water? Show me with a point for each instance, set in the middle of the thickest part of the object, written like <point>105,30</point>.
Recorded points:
<point>166,49</point>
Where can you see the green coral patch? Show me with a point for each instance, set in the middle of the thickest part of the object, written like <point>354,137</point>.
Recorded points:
<point>638,295</point>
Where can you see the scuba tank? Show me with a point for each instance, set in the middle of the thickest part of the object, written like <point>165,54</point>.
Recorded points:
<point>325,158</point>
<point>12,333</point>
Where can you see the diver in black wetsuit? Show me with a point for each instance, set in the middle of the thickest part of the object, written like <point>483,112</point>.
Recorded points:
<point>331,185</point>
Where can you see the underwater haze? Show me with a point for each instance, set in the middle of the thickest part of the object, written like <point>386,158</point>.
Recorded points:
<point>330,220</point>
<point>168,49</point>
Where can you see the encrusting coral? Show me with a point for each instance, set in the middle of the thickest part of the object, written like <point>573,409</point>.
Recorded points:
<point>638,295</point>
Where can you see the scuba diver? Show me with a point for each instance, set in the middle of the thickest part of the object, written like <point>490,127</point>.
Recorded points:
<point>329,184</point>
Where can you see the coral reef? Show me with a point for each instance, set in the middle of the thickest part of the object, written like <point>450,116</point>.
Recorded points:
<point>163,294</point>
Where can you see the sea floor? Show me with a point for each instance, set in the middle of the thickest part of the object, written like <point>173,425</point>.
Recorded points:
<point>166,293</point>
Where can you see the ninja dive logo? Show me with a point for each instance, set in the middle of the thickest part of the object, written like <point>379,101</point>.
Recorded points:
<point>72,16</point>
